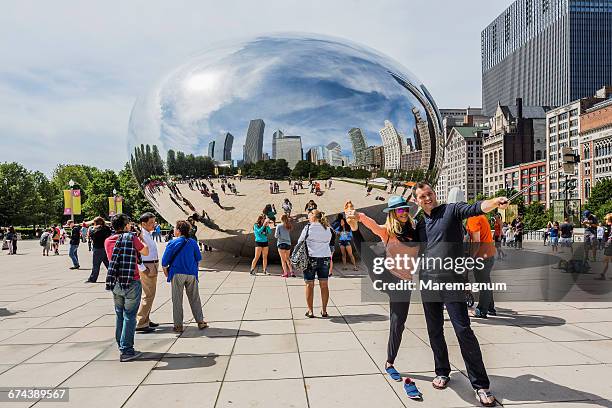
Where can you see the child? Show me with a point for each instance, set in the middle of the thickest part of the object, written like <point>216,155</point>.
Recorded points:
<point>510,237</point>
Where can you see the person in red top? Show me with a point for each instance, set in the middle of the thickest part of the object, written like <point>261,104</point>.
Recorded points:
<point>482,247</point>
<point>126,293</point>
<point>497,236</point>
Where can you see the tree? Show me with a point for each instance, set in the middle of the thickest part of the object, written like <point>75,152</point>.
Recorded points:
<point>99,189</point>
<point>535,216</point>
<point>134,201</point>
<point>49,200</point>
<point>18,197</point>
<point>600,198</point>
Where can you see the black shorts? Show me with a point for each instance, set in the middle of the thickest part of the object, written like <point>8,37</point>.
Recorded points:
<point>261,244</point>
<point>283,246</point>
<point>344,243</point>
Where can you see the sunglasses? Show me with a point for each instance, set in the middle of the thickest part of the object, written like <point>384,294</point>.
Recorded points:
<point>400,211</point>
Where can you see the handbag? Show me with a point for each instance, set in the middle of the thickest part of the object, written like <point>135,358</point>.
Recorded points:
<point>299,257</point>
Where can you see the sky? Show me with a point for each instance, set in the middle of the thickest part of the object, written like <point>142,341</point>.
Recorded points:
<point>71,71</point>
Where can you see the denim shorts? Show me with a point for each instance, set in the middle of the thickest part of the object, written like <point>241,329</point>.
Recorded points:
<point>318,267</point>
<point>554,241</point>
<point>345,243</point>
<point>283,246</point>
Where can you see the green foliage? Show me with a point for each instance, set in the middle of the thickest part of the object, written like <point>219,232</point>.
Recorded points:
<point>535,216</point>
<point>98,191</point>
<point>268,169</point>
<point>600,199</point>
<point>18,196</point>
<point>146,162</point>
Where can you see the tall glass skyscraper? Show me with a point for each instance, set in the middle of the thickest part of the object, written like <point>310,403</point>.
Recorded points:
<point>359,146</point>
<point>223,147</point>
<point>548,52</point>
<point>253,147</point>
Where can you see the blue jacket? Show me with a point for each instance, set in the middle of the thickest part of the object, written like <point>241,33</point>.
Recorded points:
<point>186,262</point>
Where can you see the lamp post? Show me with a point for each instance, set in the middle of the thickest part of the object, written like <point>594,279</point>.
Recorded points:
<point>114,201</point>
<point>71,183</point>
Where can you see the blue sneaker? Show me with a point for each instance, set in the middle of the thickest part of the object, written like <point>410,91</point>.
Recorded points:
<point>393,373</point>
<point>411,389</point>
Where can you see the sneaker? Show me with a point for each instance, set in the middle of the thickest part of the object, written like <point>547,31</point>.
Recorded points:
<point>151,324</point>
<point>75,267</point>
<point>492,312</point>
<point>130,356</point>
<point>252,272</point>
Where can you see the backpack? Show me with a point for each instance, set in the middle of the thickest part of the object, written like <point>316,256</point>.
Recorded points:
<point>43,239</point>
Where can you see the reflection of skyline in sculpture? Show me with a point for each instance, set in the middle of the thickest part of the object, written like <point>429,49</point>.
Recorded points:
<point>424,139</point>
<point>393,146</point>
<point>223,147</point>
<point>289,148</point>
<point>253,147</point>
<point>315,87</point>
<point>359,146</point>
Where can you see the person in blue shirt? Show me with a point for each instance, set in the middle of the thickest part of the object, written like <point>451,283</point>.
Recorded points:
<point>345,236</point>
<point>261,231</point>
<point>180,263</point>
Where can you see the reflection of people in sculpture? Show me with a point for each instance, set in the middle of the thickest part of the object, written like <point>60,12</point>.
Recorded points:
<point>177,204</point>
<point>215,197</point>
<point>261,230</point>
<point>310,206</point>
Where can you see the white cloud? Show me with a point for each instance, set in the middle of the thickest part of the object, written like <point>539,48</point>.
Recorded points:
<point>71,70</point>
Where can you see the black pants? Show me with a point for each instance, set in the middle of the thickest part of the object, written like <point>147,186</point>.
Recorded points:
<point>468,343</point>
<point>485,299</point>
<point>99,256</point>
<point>398,313</point>
<point>518,239</point>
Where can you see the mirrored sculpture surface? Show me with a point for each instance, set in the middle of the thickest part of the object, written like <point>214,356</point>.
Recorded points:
<point>318,88</point>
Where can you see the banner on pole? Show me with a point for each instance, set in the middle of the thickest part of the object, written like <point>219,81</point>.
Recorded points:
<point>115,205</point>
<point>67,202</point>
<point>76,202</point>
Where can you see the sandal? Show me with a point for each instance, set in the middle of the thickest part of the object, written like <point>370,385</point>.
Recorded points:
<point>393,373</point>
<point>324,314</point>
<point>411,389</point>
<point>310,315</point>
<point>484,397</point>
<point>443,382</point>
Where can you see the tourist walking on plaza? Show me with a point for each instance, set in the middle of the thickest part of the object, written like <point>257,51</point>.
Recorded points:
<point>567,233</point>
<point>282,234</point>
<point>607,246</point>
<point>519,227</point>
<point>45,241</point>
<point>287,207</point>
<point>123,279</point>
<point>481,245</point>
<point>345,238</point>
<point>600,236</point>
<point>261,230</point>
<point>317,235</point>
<point>547,232</point>
<point>75,239</point>
<point>11,238</point>
<point>56,239</point>
<point>270,212</point>
<point>441,229</point>
<point>89,237</point>
<point>148,277</point>
<point>180,262</point>
<point>497,236</point>
<point>157,233</point>
<point>100,232</point>
<point>554,236</point>
<point>590,223</point>
<point>397,234</point>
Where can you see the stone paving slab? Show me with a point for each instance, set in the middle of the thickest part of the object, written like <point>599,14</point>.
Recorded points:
<point>261,351</point>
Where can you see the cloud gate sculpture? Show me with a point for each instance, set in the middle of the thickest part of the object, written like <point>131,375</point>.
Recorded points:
<point>230,102</point>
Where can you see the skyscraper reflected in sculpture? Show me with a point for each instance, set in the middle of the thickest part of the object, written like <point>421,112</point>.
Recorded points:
<point>230,100</point>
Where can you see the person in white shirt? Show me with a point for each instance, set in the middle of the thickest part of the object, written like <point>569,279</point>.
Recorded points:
<point>319,257</point>
<point>600,236</point>
<point>148,276</point>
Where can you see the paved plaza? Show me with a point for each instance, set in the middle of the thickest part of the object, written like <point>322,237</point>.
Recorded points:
<point>261,351</point>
